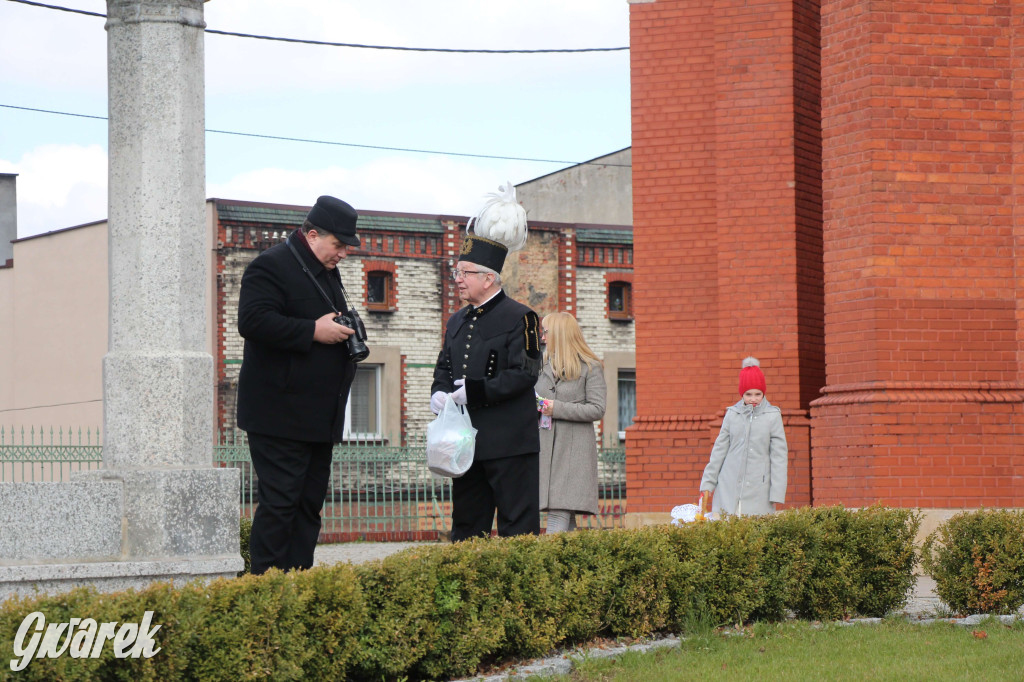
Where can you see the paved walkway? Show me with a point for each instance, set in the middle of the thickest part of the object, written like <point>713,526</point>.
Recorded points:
<point>360,552</point>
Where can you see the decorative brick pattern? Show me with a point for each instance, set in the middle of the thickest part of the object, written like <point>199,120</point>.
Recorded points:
<point>604,255</point>
<point>453,234</point>
<point>567,247</point>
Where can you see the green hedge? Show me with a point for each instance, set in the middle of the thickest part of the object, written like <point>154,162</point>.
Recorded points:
<point>977,561</point>
<point>444,610</point>
<point>244,532</point>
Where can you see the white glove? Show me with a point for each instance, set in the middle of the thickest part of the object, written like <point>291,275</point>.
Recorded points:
<point>437,401</point>
<point>459,396</point>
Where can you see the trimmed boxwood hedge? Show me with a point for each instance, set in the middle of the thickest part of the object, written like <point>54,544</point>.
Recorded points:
<point>977,561</point>
<point>445,610</point>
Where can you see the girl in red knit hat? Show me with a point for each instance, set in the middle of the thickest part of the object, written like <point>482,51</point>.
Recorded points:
<point>747,469</point>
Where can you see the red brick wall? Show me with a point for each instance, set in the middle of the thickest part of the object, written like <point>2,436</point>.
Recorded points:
<point>727,230</point>
<point>922,128</point>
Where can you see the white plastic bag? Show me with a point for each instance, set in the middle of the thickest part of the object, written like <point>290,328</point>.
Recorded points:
<point>689,513</point>
<point>451,440</point>
<point>684,513</point>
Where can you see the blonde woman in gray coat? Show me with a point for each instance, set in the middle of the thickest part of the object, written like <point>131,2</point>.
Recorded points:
<point>572,387</point>
<point>748,465</point>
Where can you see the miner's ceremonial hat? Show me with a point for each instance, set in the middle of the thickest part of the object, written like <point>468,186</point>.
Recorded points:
<point>482,251</point>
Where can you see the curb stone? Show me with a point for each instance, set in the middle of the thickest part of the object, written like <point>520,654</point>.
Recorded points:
<point>564,663</point>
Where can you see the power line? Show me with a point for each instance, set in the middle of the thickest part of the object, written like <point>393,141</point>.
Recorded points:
<point>39,407</point>
<point>341,144</point>
<point>62,9</point>
<point>49,111</point>
<point>413,49</point>
<point>352,45</point>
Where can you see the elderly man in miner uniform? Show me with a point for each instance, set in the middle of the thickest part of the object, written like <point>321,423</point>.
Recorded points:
<point>489,362</point>
<point>295,379</point>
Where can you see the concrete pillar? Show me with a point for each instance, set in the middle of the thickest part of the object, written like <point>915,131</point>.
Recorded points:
<point>157,375</point>
<point>158,509</point>
<point>158,379</point>
<point>8,216</point>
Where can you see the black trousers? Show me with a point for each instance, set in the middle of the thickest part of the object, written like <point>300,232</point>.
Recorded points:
<point>293,477</point>
<point>508,485</point>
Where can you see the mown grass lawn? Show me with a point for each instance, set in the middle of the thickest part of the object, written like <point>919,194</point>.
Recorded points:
<point>892,650</point>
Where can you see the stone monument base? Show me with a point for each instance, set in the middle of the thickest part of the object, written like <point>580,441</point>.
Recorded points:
<point>119,529</point>
<point>111,576</point>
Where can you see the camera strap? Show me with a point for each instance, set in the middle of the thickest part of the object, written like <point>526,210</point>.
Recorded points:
<point>312,278</point>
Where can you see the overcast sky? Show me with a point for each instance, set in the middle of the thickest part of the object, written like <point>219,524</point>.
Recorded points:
<point>561,107</point>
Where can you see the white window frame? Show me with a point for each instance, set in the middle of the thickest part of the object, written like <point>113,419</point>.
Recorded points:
<point>378,371</point>
<point>631,370</point>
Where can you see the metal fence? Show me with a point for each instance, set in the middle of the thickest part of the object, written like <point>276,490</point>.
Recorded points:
<point>37,454</point>
<point>376,492</point>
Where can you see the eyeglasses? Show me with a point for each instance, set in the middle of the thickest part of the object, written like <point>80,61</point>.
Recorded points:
<point>461,274</point>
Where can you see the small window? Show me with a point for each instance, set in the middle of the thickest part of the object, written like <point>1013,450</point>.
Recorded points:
<point>627,401</point>
<point>380,290</point>
<point>362,414</point>
<point>620,303</point>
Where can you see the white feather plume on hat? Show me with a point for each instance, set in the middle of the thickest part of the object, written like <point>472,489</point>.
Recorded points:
<point>501,219</point>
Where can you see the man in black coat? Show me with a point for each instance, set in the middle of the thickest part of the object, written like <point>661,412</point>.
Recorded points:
<point>295,379</point>
<point>489,362</point>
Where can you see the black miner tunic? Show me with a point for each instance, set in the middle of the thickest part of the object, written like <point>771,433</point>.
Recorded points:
<point>496,347</point>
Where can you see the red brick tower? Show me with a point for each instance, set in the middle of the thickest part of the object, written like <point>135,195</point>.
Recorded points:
<point>727,231</point>
<point>924,248</point>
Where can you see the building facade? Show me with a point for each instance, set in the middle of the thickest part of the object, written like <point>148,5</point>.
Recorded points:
<point>399,280</point>
<point>54,300</point>
<point>599,191</point>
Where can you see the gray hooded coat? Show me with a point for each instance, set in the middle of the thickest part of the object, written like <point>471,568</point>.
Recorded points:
<point>568,450</point>
<point>747,469</point>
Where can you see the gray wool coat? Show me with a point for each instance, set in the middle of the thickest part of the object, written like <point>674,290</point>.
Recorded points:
<point>749,461</point>
<point>568,450</point>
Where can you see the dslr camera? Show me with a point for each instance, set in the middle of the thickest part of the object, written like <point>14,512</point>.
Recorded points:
<point>355,344</point>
